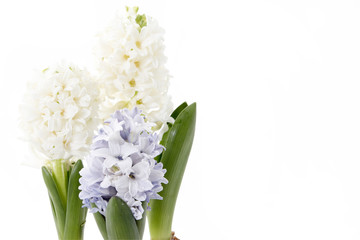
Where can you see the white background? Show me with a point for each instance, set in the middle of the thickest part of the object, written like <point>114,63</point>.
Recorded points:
<point>276,152</point>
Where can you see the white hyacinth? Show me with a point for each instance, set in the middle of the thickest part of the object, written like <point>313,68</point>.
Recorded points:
<point>59,112</point>
<point>131,65</point>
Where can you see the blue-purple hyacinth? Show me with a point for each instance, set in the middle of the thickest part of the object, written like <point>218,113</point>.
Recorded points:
<point>121,163</point>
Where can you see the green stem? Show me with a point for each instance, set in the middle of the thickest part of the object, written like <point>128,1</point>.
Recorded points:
<point>59,168</point>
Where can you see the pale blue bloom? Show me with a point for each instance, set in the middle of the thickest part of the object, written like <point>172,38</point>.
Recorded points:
<point>121,163</point>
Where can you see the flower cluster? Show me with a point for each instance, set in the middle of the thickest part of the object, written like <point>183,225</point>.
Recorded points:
<point>59,112</point>
<point>131,65</point>
<point>121,163</point>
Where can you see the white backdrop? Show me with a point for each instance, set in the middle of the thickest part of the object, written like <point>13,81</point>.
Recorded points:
<point>276,152</point>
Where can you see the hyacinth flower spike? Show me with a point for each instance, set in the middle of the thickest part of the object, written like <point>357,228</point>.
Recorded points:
<point>121,175</point>
<point>59,117</point>
<point>132,71</point>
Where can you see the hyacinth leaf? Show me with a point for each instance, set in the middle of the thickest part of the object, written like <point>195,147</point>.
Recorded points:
<point>55,217</point>
<point>120,222</point>
<point>178,110</point>
<point>174,115</point>
<point>53,209</point>
<point>55,201</point>
<point>141,223</point>
<point>70,168</point>
<point>100,221</point>
<point>178,147</point>
<point>75,213</point>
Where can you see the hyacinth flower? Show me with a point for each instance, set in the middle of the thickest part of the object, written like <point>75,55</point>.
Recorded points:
<point>121,175</point>
<point>130,62</point>
<point>59,116</point>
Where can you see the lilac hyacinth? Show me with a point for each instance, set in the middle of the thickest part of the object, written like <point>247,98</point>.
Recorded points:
<point>121,163</point>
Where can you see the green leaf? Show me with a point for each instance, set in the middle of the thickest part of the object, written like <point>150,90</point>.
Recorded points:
<point>120,222</point>
<point>174,115</point>
<point>55,201</point>
<point>174,159</point>
<point>75,213</point>
<point>178,110</point>
<point>68,174</point>
<point>100,221</point>
<point>54,214</point>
